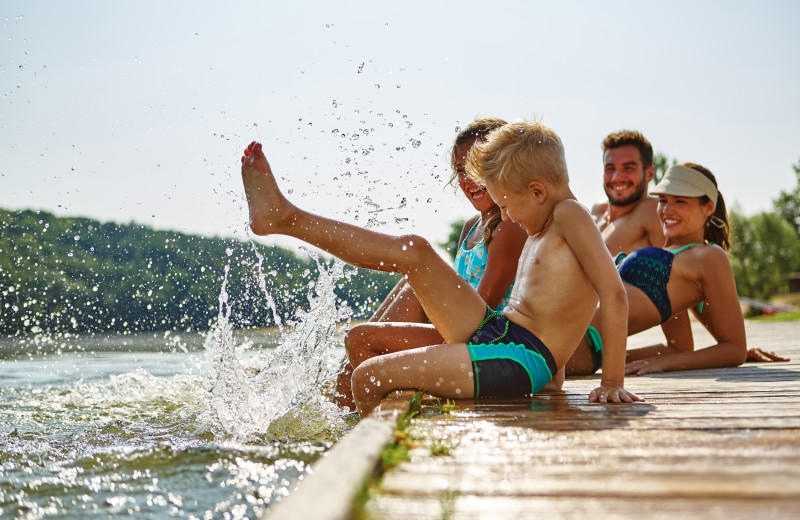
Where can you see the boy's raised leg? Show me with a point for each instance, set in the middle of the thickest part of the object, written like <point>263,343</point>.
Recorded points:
<point>451,304</point>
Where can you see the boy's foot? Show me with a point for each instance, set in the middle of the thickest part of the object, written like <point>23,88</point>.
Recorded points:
<point>268,207</point>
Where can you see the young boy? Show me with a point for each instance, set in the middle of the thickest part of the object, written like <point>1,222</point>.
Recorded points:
<point>564,270</point>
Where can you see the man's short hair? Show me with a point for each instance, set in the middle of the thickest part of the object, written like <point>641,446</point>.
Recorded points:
<point>517,153</point>
<point>630,138</point>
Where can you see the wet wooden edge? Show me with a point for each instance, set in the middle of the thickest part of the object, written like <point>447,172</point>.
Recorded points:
<point>329,490</point>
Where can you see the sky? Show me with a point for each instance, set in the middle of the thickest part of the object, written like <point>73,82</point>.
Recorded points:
<point>139,111</point>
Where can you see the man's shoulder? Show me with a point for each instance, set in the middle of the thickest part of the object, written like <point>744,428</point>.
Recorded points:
<point>647,203</point>
<point>599,207</point>
<point>645,212</point>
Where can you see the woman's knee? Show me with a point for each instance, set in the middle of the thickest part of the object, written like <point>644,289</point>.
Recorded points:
<point>356,343</point>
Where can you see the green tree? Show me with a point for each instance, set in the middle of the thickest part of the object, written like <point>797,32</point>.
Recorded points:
<point>80,275</point>
<point>661,162</point>
<point>788,203</point>
<point>765,249</point>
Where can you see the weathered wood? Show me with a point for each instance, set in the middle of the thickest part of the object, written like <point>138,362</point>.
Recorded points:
<point>722,443</point>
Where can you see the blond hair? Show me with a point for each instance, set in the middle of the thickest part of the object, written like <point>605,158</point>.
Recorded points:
<point>516,154</point>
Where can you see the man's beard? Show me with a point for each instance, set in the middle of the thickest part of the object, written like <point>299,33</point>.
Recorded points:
<point>633,198</point>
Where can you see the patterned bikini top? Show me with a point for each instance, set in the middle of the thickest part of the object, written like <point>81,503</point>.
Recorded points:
<point>649,269</point>
<point>471,263</point>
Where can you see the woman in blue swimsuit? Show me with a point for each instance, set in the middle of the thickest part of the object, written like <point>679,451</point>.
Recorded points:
<point>692,269</point>
<point>487,255</point>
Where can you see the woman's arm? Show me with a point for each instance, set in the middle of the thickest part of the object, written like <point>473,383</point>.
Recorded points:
<point>678,333</point>
<point>725,323</point>
<point>502,256</point>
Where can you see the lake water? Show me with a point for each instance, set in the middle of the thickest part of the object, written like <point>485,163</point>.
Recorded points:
<point>169,425</point>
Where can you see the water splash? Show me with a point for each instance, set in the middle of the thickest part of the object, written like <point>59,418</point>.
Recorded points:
<point>254,396</point>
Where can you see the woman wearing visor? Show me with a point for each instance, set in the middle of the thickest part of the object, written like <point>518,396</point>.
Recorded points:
<point>691,271</point>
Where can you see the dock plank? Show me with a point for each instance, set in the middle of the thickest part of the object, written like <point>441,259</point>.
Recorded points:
<point>722,443</point>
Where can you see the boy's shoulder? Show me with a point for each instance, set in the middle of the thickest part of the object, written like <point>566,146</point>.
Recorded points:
<point>570,209</point>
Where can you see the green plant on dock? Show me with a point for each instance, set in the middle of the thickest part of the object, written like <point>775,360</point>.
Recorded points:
<point>439,448</point>
<point>444,407</point>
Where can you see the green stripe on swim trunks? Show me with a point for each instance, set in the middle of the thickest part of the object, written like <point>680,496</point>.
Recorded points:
<point>513,352</point>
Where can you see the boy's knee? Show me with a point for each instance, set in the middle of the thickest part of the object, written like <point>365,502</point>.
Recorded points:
<point>417,248</point>
<point>361,376</point>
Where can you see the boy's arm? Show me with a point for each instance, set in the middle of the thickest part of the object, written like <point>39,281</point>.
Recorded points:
<point>586,243</point>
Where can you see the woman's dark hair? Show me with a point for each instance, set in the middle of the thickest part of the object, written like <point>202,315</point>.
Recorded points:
<point>476,131</point>
<point>718,229</point>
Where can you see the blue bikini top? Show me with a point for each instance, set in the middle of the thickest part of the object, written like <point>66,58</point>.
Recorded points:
<point>649,270</point>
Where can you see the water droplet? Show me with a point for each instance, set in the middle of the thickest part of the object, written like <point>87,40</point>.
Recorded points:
<point>77,237</point>
<point>416,143</point>
<point>361,68</point>
<point>335,104</point>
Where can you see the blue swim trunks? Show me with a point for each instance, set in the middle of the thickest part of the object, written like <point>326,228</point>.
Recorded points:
<point>508,360</point>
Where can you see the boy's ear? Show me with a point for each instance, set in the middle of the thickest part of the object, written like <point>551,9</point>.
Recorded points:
<point>537,190</point>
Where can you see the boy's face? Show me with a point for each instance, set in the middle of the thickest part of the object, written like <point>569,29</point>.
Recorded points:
<point>519,207</point>
<point>625,179</point>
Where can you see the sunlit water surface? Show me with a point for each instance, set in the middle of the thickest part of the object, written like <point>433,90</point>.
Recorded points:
<point>214,425</point>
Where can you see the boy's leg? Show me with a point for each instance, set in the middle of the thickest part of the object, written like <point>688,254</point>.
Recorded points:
<point>440,370</point>
<point>343,393</point>
<point>451,304</point>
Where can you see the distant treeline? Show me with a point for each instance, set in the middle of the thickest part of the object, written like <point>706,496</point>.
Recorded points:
<point>81,275</point>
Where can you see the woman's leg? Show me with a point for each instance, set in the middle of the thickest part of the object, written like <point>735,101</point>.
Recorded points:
<point>440,370</point>
<point>581,362</point>
<point>368,340</point>
<point>404,307</point>
<point>451,304</point>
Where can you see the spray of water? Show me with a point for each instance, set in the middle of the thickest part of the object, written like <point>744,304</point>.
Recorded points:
<point>280,394</point>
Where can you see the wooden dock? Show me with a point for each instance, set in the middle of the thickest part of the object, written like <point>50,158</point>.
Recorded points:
<point>707,444</point>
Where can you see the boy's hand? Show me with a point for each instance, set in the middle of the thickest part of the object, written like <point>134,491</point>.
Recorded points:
<point>612,393</point>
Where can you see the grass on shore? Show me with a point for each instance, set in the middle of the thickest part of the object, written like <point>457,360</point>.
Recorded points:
<point>781,316</point>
